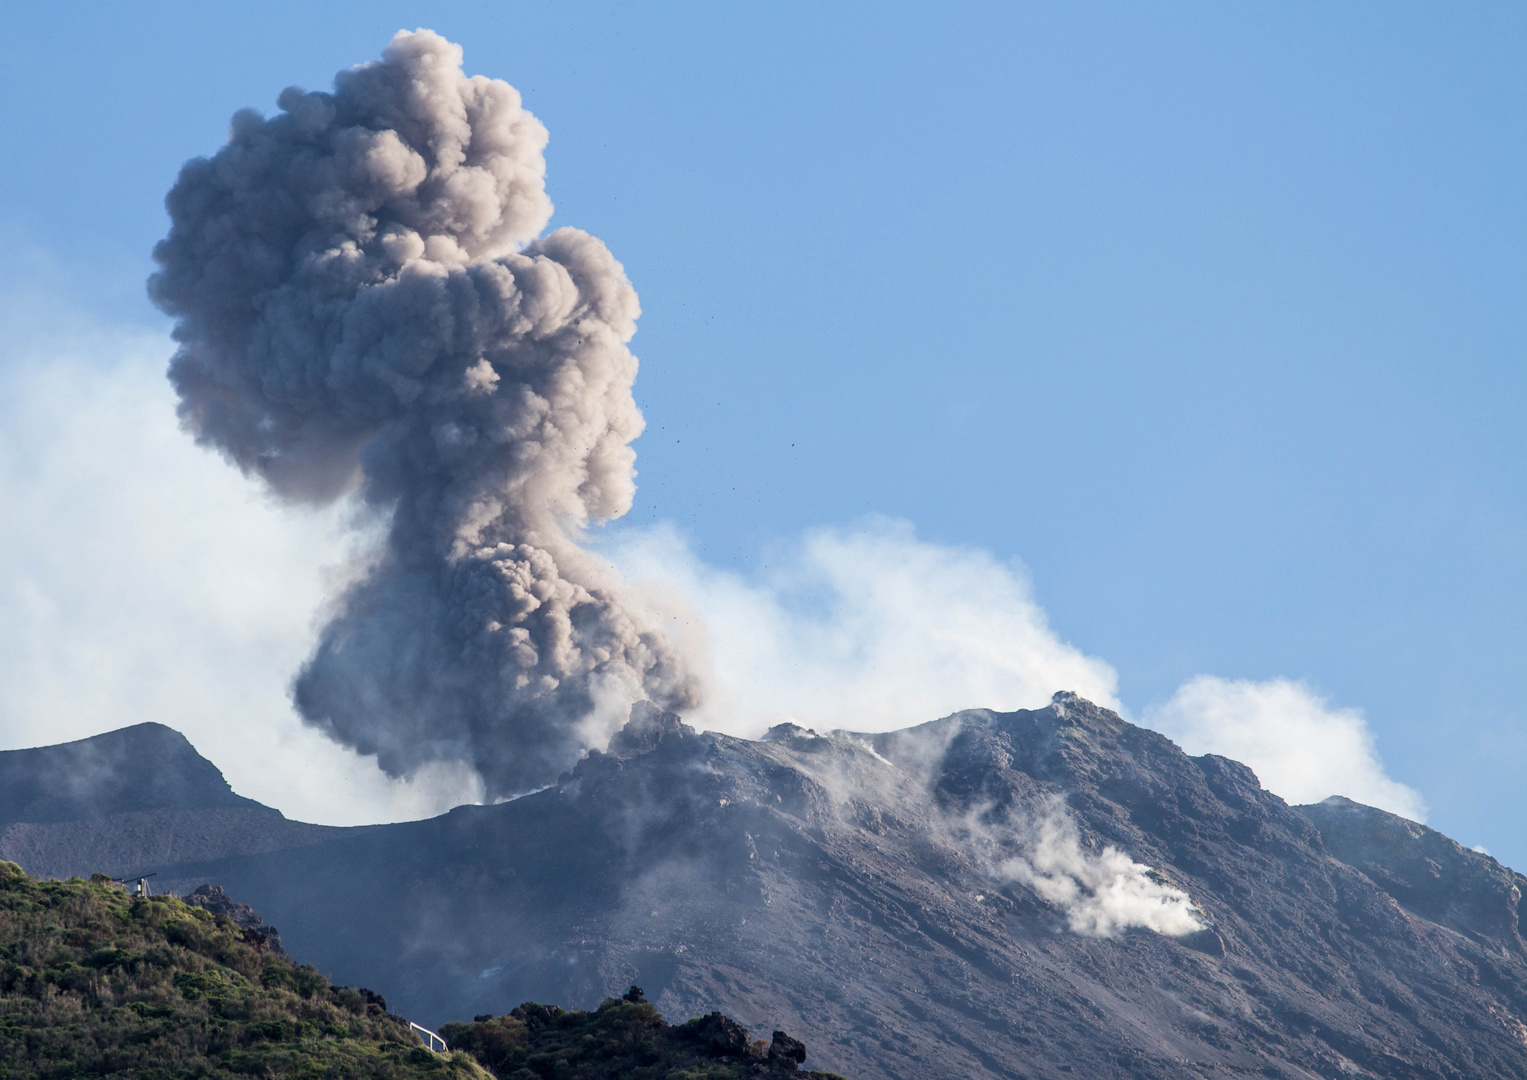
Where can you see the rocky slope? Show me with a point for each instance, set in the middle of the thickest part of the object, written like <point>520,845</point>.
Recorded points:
<point>128,802</point>
<point>1431,876</point>
<point>144,767</point>
<point>966,898</point>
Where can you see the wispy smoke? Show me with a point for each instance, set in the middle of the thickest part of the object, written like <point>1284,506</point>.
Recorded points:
<point>1101,892</point>
<point>1035,843</point>
<point>872,629</point>
<point>363,302</point>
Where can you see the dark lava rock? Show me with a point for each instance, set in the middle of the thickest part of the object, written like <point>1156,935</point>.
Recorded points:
<point>784,1048</point>
<point>868,892</point>
<point>212,899</point>
<point>137,842</point>
<point>719,1036</point>
<point>1205,941</point>
<point>536,1016</point>
<point>646,729</point>
<point>621,1039</point>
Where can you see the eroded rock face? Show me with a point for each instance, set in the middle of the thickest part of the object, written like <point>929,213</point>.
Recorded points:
<point>901,903</point>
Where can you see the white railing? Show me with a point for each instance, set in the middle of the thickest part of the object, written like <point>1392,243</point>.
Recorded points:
<point>431,1040</point>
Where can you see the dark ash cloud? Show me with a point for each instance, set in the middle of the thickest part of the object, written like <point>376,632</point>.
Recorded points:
<point>364,301</point>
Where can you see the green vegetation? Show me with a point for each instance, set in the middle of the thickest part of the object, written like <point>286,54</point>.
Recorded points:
<point>94,983</point>
<point>624,1039</point>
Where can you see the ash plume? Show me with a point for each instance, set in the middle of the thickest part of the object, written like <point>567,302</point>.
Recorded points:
<point>364,302</point>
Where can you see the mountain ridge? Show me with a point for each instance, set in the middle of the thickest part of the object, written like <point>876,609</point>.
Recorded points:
<point>885,896</point>
<point>116,772</point>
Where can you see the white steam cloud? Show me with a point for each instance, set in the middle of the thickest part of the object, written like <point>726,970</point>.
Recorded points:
<point>868,629</point>
<point>1101,892</point>
<point>1298,745</point>
<point>872,629</point>
<point>142,580</point>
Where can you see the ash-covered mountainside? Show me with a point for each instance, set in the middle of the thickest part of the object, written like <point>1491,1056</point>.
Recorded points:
<point>1045,893</point>
<point>144,767</point>
<point>1430,875</point>
<point>127,802</point>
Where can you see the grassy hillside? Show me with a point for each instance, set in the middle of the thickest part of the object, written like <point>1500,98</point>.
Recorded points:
<point>96,983</point>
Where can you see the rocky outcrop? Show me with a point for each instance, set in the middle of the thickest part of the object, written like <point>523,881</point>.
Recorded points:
<point>625,1038</point>
<point>212,899</point>
<point>783,1048</point>
<point>717,1035</point>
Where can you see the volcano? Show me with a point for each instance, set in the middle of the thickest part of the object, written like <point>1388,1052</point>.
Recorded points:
<point>1040,893</point>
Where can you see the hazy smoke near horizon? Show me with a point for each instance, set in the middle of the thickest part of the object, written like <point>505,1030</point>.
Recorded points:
<point>364,302</point>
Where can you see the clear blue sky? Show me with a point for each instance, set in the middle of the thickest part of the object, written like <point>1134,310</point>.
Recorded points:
<point>1211,314</point>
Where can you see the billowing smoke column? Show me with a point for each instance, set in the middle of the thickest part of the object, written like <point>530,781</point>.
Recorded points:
<point>362,301</point>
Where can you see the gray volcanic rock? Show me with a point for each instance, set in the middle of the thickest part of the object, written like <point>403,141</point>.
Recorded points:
<point>126,803</point>
<point>1430,875</point>
<point>140,841</point>
<point>901,903</point>
<point>851,888</point>
<point>144,767</point>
